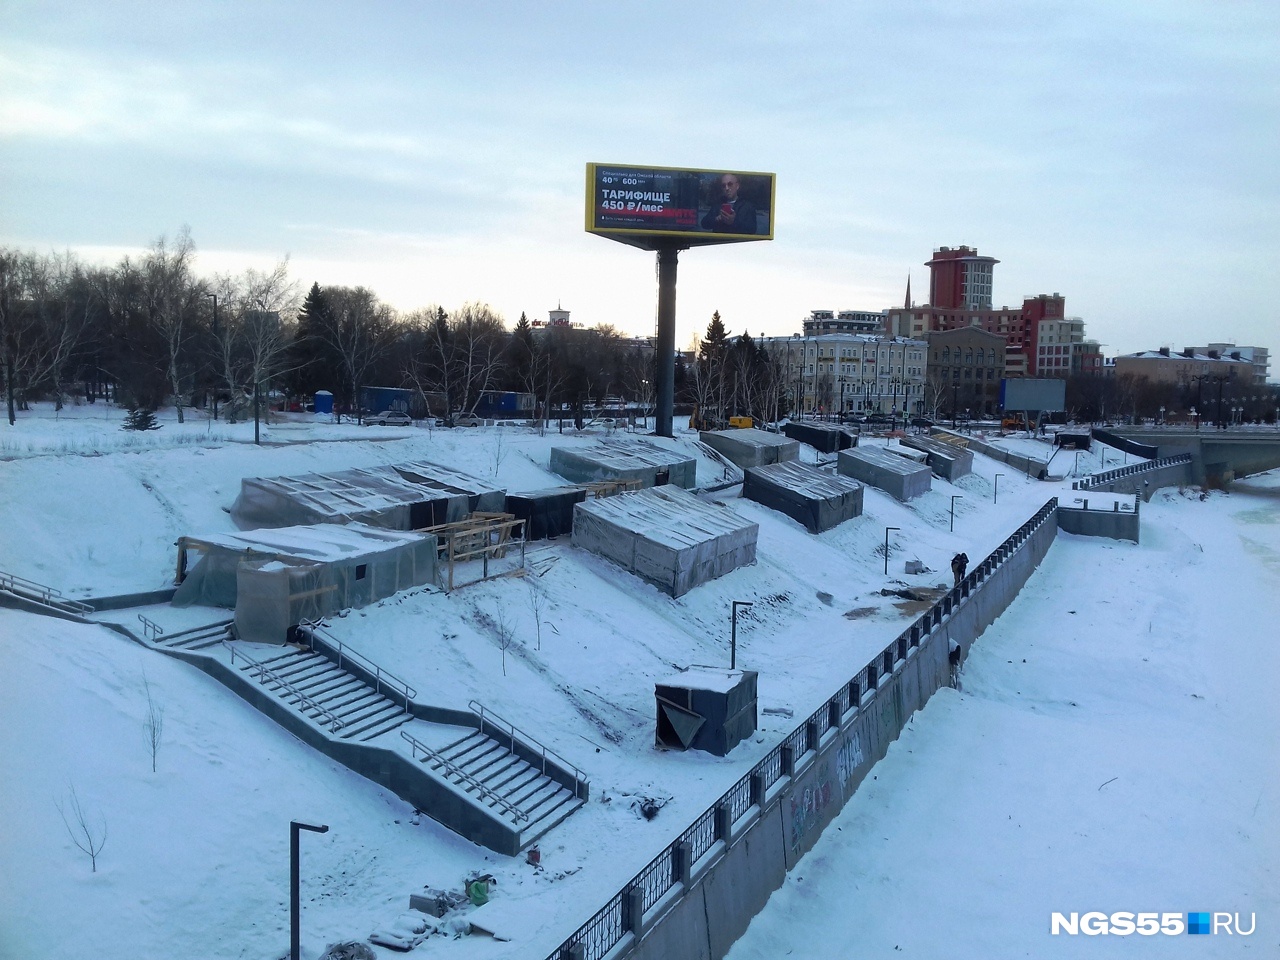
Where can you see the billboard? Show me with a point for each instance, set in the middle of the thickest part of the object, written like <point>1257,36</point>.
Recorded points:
<point>1043,396</point>
<point>650,206</point>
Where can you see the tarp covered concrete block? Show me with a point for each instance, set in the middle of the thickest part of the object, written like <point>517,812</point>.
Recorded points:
<point>287,574</point>
<point>706,708</point>
<point>896,476</point>
<point>751,447</point>
<point>404,496</point>
<point>666,536</point>
<point>624,459</point>
<point>823,437</point>
<point>945,459</point>
<point>546,513</point>
<point>813,497</point>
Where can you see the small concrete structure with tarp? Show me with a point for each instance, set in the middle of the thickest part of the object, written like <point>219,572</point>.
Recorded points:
<point>666,536</point>
<point>647,463</point>
<point>706,708</point>
<point>896,476</point>
<point>751,447</point>
<point>945,459</point>
<point>813,497</point>
<point>823,437</point>
<point>276,578</point>
<point>546,513</point>
<point>405,496</point>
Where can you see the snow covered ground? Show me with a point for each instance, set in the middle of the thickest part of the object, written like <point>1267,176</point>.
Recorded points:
<point>196,860</point>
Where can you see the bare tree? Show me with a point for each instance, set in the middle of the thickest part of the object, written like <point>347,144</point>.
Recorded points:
<point>358,329</point>
<point>537,601</point>
<point>505,631</point>
<point>173,299</point>
<point>152,722</point>
<point>499,447</point>
<point>87,832</point>
<point>252,345</point>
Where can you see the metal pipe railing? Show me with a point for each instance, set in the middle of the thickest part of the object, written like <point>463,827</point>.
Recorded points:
<point>405,692</point>
<point>38,591</point>
<point>416,745</point>
<point>335,722</point>
<point>516,735</point>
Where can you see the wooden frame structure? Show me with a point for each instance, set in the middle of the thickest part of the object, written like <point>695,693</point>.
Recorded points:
<point>482,536</point>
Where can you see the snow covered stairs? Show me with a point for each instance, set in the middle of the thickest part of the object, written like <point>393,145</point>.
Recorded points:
<point>196,638</point>
<point>326,694</point>
<point>506,775</point>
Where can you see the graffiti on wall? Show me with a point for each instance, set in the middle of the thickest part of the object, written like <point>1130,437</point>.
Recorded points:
<point>849,758</point>
<point>807,804</point>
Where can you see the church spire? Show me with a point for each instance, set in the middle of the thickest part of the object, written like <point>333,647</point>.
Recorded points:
<point>907,303</point>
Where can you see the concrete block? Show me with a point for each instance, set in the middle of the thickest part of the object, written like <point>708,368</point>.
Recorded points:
<point>896,476</point>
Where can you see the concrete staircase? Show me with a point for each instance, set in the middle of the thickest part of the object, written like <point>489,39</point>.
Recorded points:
<point>489,770</point>
<point>326,694</point>
<point>196,638</point>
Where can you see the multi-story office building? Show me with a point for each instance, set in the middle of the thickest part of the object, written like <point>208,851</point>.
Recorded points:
<point>960,295</point>
<point>849,373</point>
<point>964,370</point>
<point>1258,356</point>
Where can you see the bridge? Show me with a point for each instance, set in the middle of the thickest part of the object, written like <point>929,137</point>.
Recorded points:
<point>1217,456</point>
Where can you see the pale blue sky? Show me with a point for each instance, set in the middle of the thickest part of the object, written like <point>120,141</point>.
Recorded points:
<point>1123,154</point>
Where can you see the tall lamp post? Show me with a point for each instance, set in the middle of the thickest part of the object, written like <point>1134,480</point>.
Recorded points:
<point>996,494</point>
<point>886,548</point>
<point>733,634</point>
<point>954,498</point>
<point>955,390</point>
<point>215,341</point>
<point>295,827</point>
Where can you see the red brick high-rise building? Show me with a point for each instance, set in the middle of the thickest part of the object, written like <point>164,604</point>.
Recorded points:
<point>960,296</point>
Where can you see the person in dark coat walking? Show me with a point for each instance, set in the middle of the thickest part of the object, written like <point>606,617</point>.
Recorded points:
<point>959,563</point>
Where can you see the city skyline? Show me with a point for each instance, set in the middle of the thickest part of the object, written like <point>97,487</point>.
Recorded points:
<point>1117,154</point>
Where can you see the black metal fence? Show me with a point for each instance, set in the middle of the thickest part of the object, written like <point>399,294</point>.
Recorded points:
<point>1119,473</point>
<point>623,913</point>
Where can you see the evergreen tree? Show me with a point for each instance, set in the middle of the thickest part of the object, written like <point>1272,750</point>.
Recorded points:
<point>140,419</point>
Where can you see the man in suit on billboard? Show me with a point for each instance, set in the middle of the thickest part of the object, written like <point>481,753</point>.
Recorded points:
<point>732,214</point>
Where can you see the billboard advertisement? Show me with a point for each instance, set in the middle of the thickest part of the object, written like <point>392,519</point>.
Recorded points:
<point>1043,396</point>
<point>647,206</point>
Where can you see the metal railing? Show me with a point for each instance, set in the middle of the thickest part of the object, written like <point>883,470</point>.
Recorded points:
<point>344,652</point>
<point>38,591</point>
<point>614,920</point>
<point>150,628</point>
<point>1120,473</point>
<point>481,788</point>
<point>516,735</point>
<point>335,722</point>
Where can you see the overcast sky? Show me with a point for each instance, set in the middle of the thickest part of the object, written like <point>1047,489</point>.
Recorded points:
<point>1123,154</point>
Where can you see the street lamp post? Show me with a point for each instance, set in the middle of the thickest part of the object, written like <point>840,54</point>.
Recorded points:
<point>996,495</point>
<point>214,296</point>
<point>1195,417</point>
<point>295,827</point>
<point>955,390</point>
<point>886,548</point>
<point>733,634</point>
<point>1161,415</point>
<point>954,498</point>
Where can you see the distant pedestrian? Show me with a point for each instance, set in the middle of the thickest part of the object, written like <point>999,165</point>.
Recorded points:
<point>959,563</point>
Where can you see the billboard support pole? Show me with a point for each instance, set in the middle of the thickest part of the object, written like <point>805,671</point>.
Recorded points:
<point>667,256</point>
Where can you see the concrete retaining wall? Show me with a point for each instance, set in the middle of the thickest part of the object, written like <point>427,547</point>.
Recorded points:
<point>1141,479</point>
<point>717,896</point>
<point>1036,469</point>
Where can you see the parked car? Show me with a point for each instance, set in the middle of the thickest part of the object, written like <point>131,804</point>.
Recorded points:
<point>921,422</point>
<point>467,420</point>
<point>388,418</point>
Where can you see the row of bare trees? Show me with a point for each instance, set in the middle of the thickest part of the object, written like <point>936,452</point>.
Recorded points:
<point>150,331</point>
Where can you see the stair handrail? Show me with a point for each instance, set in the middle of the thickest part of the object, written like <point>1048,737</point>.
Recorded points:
<point>335,722</point>
<point>415,745</point>
<point>47,595</point>
<point>406,692</point>
<point>150,628</point>
<point>483,712</point>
